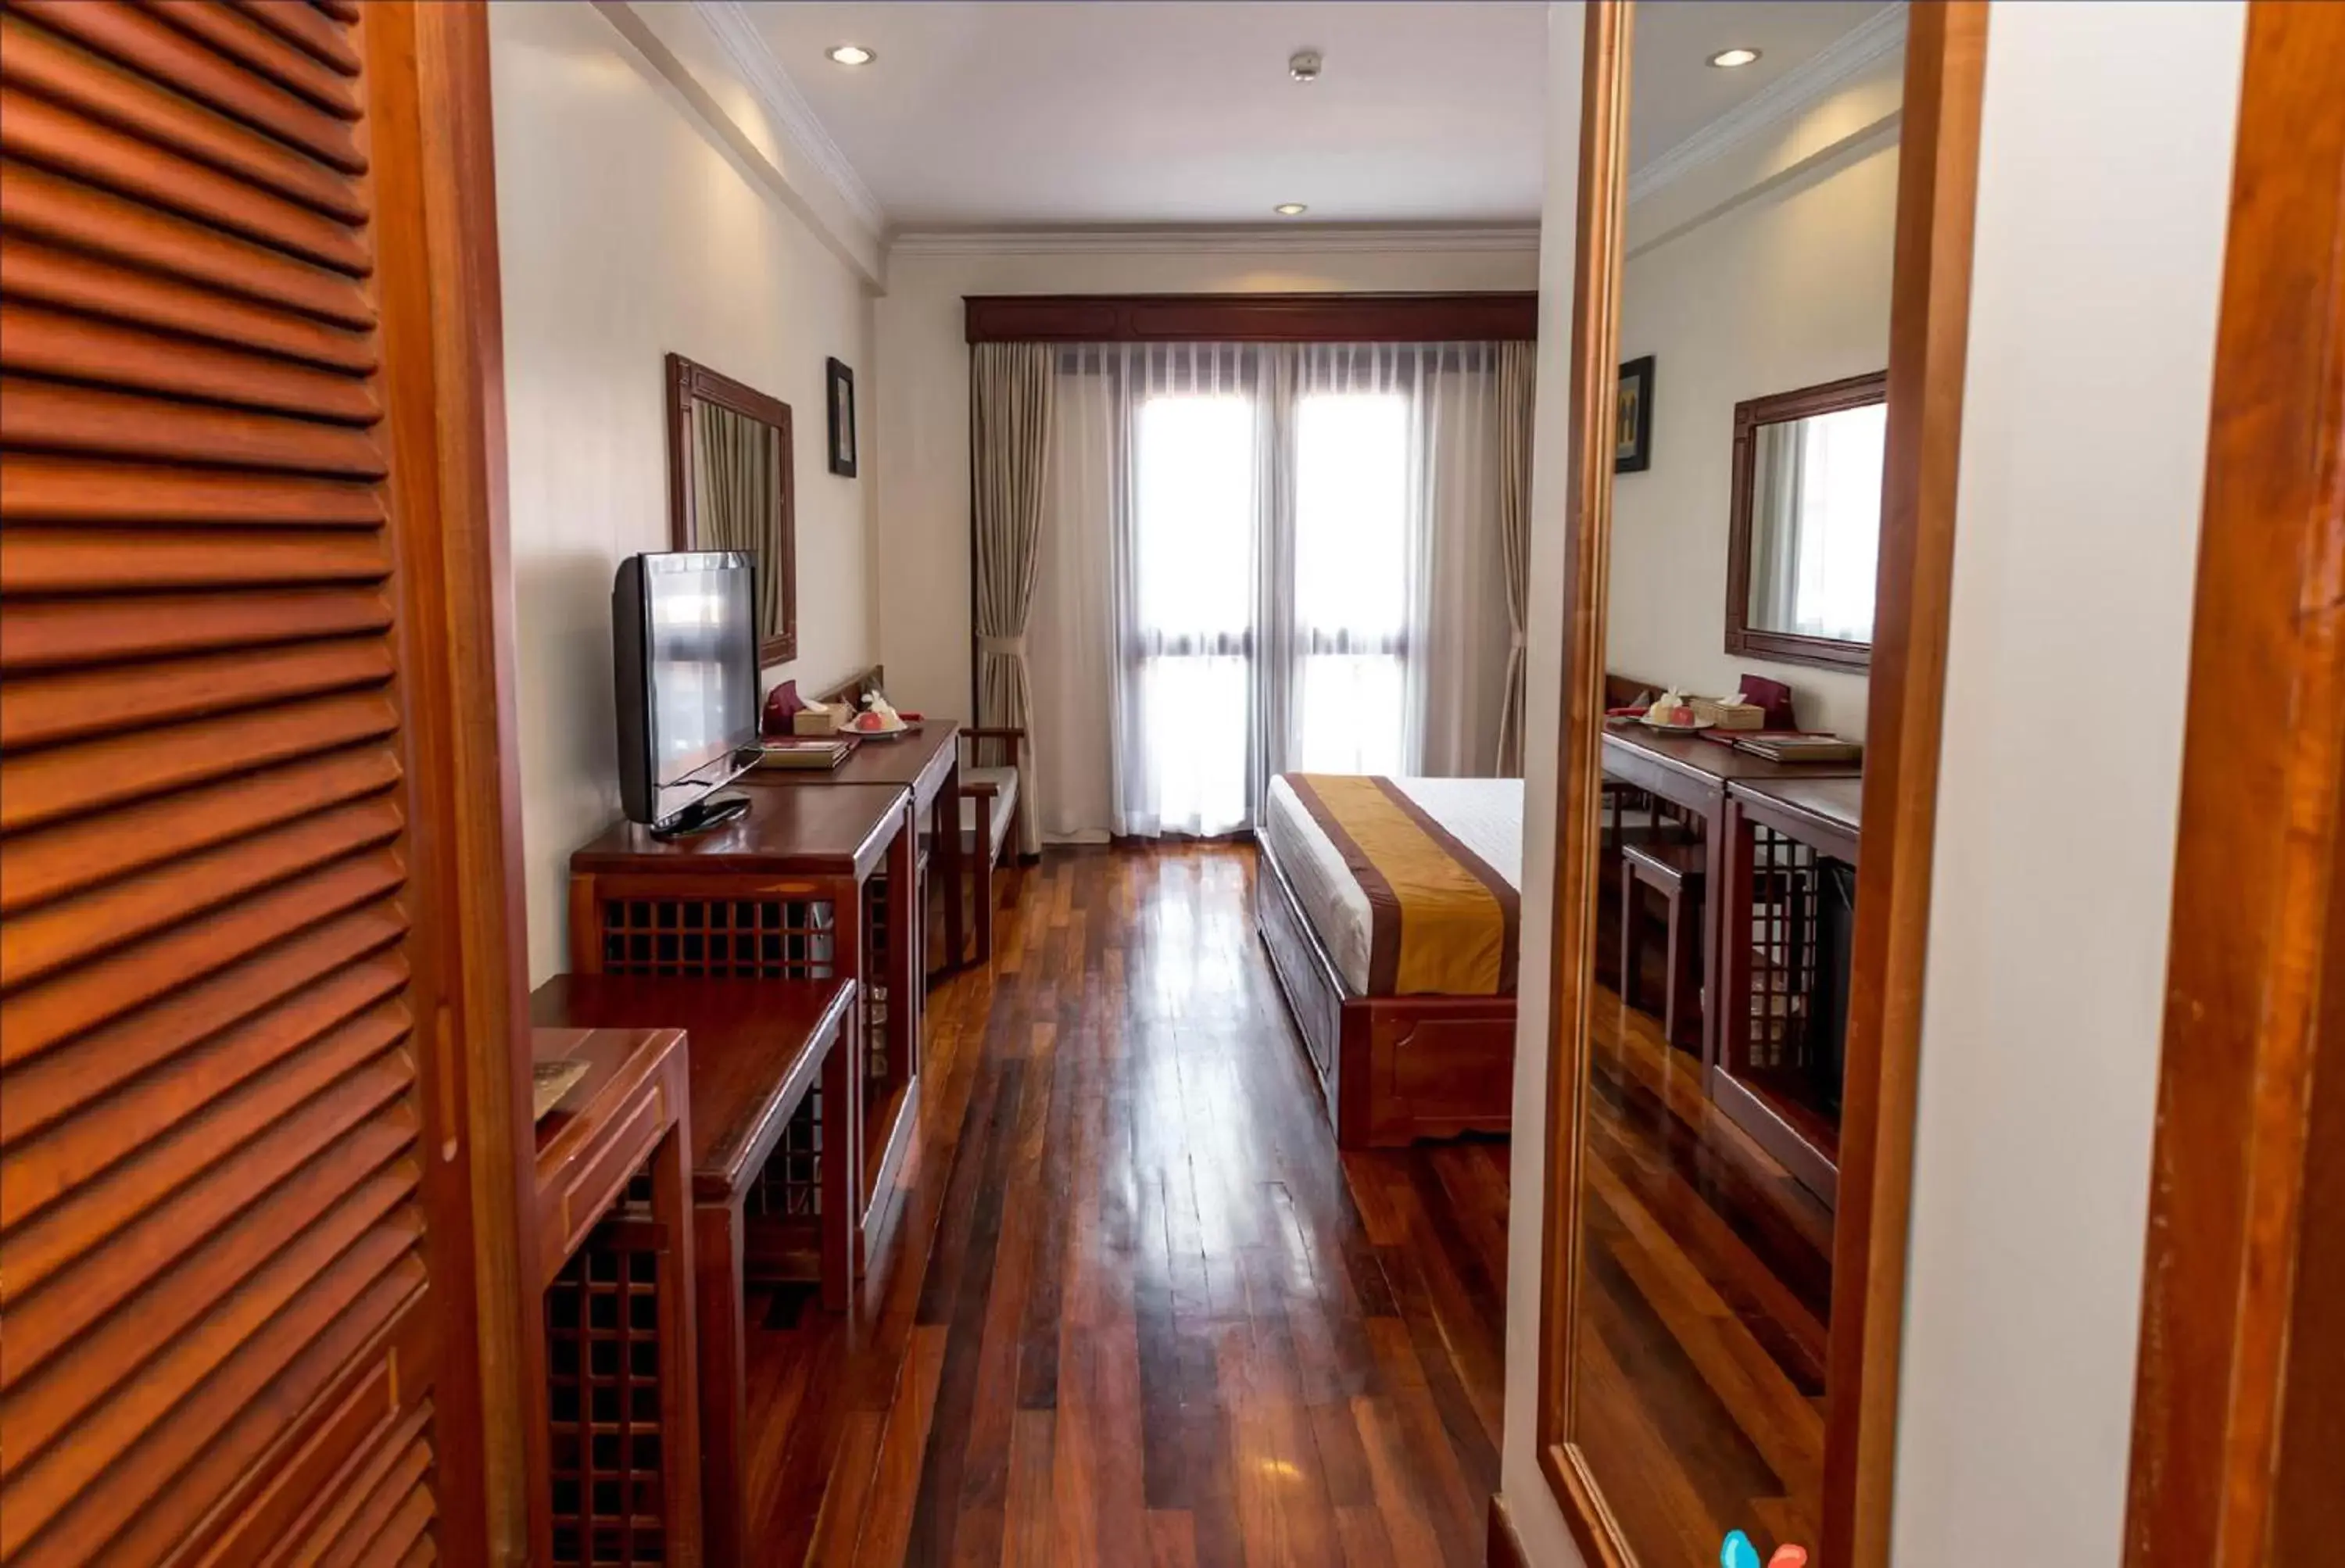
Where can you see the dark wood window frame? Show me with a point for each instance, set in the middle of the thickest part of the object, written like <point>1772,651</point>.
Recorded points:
<point>1497,316</point>
<point>688,379</point>
<point>1782,408</point>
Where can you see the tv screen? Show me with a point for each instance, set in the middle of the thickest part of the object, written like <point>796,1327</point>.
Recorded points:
<point>683,625</point>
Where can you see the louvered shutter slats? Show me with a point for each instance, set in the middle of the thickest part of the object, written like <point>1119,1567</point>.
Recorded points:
<point>72,76</point>
<point>76,855</point>
<point>217,1146</point>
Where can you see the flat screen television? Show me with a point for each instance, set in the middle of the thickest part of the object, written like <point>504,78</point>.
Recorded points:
<point>684,630</point>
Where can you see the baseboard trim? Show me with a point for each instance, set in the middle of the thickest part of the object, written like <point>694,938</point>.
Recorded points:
<point>1505,1549</point>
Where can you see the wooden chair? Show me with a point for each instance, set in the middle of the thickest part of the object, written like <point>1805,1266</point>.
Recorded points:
<point>1675,871</point>
<point>990,802</point>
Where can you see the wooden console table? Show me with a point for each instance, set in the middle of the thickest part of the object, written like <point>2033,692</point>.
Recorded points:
<point>791,890</point>
<point>771,1183</point>
<point>927,761</point>
<point>613,1231</point>
<point>1693,774</point>
<point>1777,832</point>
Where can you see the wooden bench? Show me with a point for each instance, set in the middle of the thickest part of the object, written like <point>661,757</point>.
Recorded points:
<point>990,802</point>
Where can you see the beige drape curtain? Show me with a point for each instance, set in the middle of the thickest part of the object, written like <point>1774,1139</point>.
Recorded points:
<point>1517,379</point>
<point>1010,393</point>
<point>735,489</point>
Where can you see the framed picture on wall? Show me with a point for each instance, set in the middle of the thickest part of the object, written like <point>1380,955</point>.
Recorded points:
<point>1632,427</point>
<point>842,419</point>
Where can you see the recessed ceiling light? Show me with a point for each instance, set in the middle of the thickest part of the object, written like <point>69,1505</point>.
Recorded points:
<point>1727,59</point>
<point>856,54</point>
<point>1290,209</point>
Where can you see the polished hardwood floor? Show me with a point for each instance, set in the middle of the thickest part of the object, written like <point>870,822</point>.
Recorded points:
<point>1131,1308</point>
<point>1708,1289</point>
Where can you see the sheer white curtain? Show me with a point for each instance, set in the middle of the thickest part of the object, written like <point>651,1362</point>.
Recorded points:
<point>1818,505</point>
<point>1265,557</point>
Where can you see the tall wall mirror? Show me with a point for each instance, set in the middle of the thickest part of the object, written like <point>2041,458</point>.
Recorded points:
<point>1804,522</point>
<point>730,487</point>
<point>1719,1284</point>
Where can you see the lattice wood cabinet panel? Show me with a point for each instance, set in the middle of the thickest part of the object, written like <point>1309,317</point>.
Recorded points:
<point>880,937</point>
<point>1782,932</point>
<point>235,1234</point>
<point>758,939</point>
<point>782,1211</point>
<point>603,1330</point>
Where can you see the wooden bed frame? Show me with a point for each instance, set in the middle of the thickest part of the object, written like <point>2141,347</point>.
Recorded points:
<point>1393,1069</point>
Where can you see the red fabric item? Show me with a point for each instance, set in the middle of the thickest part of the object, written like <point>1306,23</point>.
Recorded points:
<point>1774,697</point>
<point>781,704</point>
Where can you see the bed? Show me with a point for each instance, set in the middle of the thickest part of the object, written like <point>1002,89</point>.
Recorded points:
<point>1396,1061</point>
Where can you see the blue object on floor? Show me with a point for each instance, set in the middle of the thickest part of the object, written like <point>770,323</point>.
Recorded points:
<point>1738,1552</point>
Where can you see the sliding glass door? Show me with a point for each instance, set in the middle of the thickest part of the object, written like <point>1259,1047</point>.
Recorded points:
<point>1192,592</point>
<point>1354,548</point>
<point>1302,563</point>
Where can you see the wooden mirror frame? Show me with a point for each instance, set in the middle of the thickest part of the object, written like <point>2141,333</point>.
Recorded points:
<point>1929,321</point>
<point>1782,408</point>
<point>689,381</point>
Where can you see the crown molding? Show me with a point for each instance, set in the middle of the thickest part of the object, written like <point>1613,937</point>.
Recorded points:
<point>1287,239</point>
<point>730,21</point>
<point>1879,34</point>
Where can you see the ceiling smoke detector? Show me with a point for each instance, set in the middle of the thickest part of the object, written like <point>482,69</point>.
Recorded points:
<point>1304,65</point>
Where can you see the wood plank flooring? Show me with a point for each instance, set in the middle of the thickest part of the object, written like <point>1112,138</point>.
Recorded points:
<point>1709,1287</point>
<point>1131,1308</point>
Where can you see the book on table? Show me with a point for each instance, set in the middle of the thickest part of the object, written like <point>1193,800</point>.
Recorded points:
<point>1780,747</point>
<point>805,751</point>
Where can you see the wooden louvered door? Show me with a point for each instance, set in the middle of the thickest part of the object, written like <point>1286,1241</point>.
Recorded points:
<point>254,906</point>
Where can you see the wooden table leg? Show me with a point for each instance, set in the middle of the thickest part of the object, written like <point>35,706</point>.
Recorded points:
<point>947,855</point>
<point>1714,949</point>
<point>908,980</point>
<point>724,1373</point>
<point>842,1171</point>
<point>1732,985</point>
<point>679,1390</point>
<point>842,1116</point>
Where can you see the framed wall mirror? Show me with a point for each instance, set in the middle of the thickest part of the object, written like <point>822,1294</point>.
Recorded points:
<point>1729,1112</point>
<point>1804,528</point>
<point>730,487</point>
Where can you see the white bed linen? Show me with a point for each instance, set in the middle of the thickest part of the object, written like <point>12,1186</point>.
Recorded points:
<point>1485,815</point>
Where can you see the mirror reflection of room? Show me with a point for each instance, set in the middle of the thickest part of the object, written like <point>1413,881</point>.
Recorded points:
<point>1754,327</point>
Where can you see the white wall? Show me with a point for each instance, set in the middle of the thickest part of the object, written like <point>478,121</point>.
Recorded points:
<point>1546,1538</point>
<point>2092,311</point>
<point>923,580</point>
<point>1787,289</point>
<point>627,232</point>
<point>2083,442</point>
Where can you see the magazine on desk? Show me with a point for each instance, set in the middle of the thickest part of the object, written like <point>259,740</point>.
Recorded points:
<point>817,752</point>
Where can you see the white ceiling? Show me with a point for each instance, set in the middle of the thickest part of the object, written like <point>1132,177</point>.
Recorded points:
<point>1148,112</point>
<point>1674,91</point>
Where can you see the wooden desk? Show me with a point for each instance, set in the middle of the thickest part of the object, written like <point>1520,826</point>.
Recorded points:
<point>927,761</point>
<point>771,1186</point>
<point>1693,774</point>
<point>598,1254</point>
<point>783,891</point>
<point>1826,814</point>
<point>1777,975</point>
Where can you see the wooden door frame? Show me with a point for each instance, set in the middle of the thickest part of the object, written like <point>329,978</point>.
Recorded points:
<point>2238,1437</point>
<point>443,369</point>
<point>1929,324</point>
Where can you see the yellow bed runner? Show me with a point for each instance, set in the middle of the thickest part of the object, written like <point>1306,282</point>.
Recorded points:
<point>1441,921</point>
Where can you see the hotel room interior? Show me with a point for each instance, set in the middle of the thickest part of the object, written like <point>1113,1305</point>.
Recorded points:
<point>1169,784</point>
